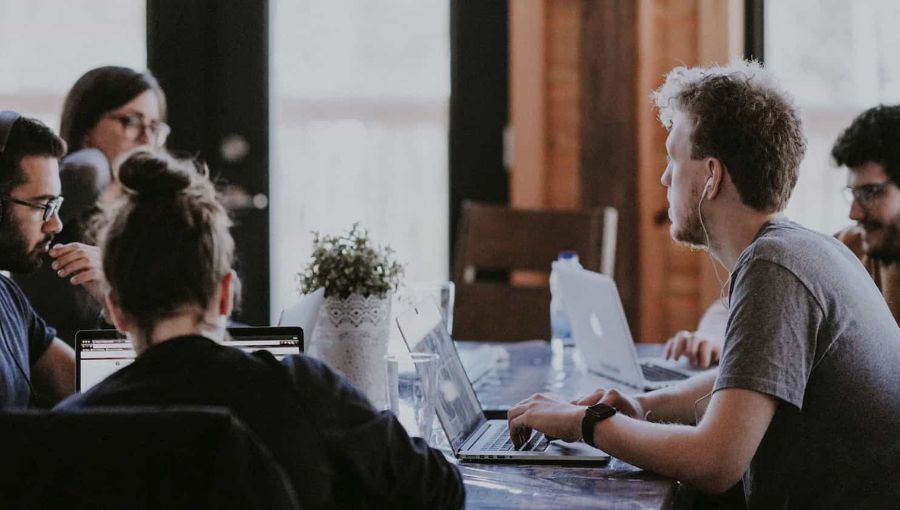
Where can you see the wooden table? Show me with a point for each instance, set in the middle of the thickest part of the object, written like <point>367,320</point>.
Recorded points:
<point>524,368</point>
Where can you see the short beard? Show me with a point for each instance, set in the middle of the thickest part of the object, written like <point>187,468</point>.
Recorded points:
<point>691,231</point>
<point>889,251</point>
<point>15,254</point>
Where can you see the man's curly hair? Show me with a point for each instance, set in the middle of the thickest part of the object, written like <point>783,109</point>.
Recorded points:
<point>743,118</point>
<point>873,136</point>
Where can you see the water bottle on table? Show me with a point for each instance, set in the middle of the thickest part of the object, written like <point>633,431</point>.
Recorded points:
<point>560,325</point>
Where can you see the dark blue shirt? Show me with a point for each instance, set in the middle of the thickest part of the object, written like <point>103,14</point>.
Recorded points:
<point>336,448</point>
<point>25,337</point>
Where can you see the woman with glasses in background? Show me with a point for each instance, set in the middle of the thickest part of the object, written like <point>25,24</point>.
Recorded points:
<point>109,112</point>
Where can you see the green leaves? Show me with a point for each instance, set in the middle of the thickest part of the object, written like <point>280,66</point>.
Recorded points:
<point>349,264</point>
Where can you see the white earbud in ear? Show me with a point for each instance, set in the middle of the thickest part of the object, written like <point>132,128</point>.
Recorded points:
<point>708,186</point>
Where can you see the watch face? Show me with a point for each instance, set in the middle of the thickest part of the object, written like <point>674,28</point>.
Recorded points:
<point>601,410</point>
<point>592,416</point>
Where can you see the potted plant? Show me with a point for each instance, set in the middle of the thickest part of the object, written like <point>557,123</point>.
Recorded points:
<point>353,327</point>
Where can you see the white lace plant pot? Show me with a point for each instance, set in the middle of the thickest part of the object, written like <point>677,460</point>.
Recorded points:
<point>351,336</point>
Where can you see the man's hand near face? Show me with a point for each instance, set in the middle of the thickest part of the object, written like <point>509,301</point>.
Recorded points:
<point>81,264</point>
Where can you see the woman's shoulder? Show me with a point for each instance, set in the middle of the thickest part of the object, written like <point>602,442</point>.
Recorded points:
<point>83,175</point>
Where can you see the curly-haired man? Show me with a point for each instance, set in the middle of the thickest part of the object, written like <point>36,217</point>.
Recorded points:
<point>805,406</point>
<point>870,149</point>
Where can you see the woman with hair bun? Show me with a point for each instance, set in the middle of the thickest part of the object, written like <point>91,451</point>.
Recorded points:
<point>167,256</point>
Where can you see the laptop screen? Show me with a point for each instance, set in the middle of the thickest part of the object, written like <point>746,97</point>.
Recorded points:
<point>99,353</point>
<point>458,408</point>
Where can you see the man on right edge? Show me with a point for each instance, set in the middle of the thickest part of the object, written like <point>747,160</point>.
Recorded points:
<point>870,149</point>
<point>805,406</point>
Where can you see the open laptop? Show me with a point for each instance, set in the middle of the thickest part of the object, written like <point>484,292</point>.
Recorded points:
<point>304,312</point>
<point>601,333</point>
<point>471,436</point>
<point>100,352</point>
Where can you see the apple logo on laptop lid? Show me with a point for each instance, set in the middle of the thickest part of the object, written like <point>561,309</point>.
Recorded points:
<point>596,328</point>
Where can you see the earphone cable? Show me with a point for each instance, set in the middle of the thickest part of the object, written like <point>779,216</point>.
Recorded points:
<point>712,260</point>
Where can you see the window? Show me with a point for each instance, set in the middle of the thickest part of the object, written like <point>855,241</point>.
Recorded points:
<point>48,44</point>
<point>837,58</point>
<point>359,131</point>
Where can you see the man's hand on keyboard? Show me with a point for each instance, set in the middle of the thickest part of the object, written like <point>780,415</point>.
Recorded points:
<point>548,414</point>
<point>625,404</point>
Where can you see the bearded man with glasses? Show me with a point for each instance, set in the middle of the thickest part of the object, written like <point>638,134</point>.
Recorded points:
<point>870,149</point>
<point>35,365</point>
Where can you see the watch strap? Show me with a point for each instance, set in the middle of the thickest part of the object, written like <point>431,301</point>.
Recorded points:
<point>592,416</point>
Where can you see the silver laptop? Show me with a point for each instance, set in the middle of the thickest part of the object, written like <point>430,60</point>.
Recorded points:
<point>100,352</point>
<point>304,312</point>
<point>601,333</point>
<point>471,436</point>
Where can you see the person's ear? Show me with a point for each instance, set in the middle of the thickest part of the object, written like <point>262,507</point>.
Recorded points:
<point>715,172</point>
<point>118,317</point>
<point>226,296</point>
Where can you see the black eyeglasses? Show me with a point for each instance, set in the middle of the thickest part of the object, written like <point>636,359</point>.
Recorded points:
<point>866,194</point>
<point>134,125</point>
<point>51,208</point>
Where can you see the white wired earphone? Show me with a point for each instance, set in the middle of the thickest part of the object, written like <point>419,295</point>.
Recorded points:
<point>722,285</point>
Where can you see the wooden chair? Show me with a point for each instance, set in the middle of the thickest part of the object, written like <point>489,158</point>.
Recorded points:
<point>504,243</point>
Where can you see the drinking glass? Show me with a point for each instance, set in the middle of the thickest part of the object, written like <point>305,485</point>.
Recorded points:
<point>411,390</point>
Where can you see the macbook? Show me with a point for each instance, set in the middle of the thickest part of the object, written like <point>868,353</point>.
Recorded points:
<point>99,353</point>
<point>471,436</point>
<point>304,312</point>
<point>601,333</point>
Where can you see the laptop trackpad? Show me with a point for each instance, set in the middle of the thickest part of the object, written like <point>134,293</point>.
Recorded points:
<point>561,448</point>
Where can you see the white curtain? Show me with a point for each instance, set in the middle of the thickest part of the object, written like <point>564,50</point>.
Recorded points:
<point>45,45</point>
<point>360,92</point>
<point>837,58</point>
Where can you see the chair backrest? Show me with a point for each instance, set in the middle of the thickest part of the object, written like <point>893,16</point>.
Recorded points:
<point>496,240</point>
<point>185,457</point>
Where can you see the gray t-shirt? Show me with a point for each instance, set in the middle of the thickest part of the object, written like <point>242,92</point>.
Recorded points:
<point>808,326</point>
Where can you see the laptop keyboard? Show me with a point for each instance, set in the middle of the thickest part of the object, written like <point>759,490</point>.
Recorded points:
<point>656,373</point>
<point>503,443</point>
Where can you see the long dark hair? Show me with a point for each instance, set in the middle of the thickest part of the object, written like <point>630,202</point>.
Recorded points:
<point>168,246</point>
<point>100,91</point>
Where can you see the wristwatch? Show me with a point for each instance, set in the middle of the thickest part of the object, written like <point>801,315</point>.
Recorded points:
<point>592,416</point>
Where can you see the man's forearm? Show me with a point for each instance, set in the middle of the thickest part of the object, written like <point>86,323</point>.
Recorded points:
<point>712,455</point>
<point>681,403</point>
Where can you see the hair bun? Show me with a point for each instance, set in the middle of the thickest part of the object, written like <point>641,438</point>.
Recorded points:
<point>148,174</point>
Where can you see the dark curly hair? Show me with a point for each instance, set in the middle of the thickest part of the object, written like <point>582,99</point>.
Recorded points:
<point>742,117</point>
<point>874,136</point>
<point>27,137</point>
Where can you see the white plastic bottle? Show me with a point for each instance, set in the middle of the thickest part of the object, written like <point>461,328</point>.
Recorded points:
<point>560,326</point>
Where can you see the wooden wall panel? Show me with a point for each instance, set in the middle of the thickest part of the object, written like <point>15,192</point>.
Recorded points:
<point>527,98</point>
<point>563,111</point>
<point>609,142</point>
<point>586,134</point>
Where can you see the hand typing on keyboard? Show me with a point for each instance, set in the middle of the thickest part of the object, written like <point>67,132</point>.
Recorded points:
<point>624,404</point>
<point>548,414</point>
<point>702,349</point>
